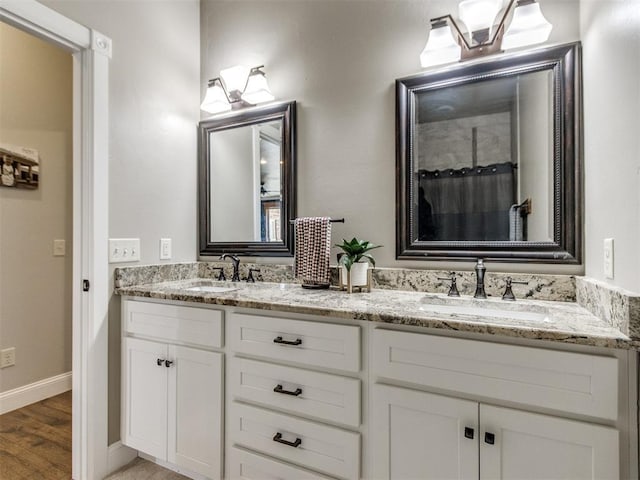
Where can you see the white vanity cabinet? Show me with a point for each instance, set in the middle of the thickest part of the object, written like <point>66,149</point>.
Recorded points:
<point>172,393</point>
<point>283,411</point>
<point>418,434</point>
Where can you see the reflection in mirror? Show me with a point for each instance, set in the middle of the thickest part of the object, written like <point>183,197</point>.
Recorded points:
<point>488,159</point>
<point>246,182</point>
<point>245,172</point>
<point>484,160</point>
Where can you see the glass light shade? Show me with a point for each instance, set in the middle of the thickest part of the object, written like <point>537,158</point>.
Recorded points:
<point>441,47</point>
<point>235,78</point>
<point>215,101</point>
<point>528,27</point>
<point>479,14</point>
<point>257,90</point>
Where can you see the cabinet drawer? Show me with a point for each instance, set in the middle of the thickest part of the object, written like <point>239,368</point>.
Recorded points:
<point>245,465</point>
<point>571,382</point>
<point>318,395</point>
<point>198,326</point>
<point>324,345</point>
<point>326,449</point>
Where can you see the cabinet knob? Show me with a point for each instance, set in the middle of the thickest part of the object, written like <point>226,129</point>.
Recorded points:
<point>278,438</point>
<point>468,433</point>
<point>489,438</point>
<point>168,363</point>
<point>159,361</point>
<point>278,389</point>
<point>278,339</point>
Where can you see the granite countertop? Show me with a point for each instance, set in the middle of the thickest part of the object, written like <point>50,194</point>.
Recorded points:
<point>533,319</point>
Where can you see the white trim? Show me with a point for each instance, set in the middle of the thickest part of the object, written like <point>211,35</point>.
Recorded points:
<point>34,392</point>
<point>91,52</point>
<point>119,456</point>
<point>174,468</point>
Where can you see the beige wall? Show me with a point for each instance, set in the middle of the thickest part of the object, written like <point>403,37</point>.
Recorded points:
<point>154,109</point>
<point>339,60</point>
<point>35,286</point>
<point>611,43</point>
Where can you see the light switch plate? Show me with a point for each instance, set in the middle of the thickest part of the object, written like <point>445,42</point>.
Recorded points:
<point>608,258</point>
<point>59,248</point>
<point>124,250</point>
<point>165,249</point>
<point>7,357</point>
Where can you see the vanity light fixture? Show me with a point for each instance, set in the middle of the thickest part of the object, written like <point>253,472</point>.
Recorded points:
<point>444,45</point>
<point>236,87</point>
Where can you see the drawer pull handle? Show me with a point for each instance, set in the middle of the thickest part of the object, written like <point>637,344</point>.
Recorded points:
<point>278,438</point>
<point>159,361</point>
<point>468,433</point>
<point>489,438</point>
<point>297,341</point>
<point>168,363</point>
<point>278,389</point>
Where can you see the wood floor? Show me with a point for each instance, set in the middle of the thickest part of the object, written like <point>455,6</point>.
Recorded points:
<point>35,441</point>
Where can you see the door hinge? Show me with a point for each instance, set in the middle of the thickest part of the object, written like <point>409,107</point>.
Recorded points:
<point>85,285</point>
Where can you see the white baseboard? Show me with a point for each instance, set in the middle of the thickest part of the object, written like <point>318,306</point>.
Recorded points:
<point>170,466</point>
<point>119,456</point>
<point>34,392</point>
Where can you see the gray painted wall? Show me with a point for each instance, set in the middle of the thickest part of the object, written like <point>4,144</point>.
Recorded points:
<point>154,80</point>
<point>611,42</point>
<point>37,114</point>
<point>339,60</point>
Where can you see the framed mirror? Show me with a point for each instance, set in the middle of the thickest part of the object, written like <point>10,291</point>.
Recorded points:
<point>489,160</point>
<point>246,182</point>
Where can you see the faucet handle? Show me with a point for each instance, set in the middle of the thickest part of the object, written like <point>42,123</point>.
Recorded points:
<point>508,292</point>
<point>221,274</point>
<point>250,278</point>
<point>453,288</point>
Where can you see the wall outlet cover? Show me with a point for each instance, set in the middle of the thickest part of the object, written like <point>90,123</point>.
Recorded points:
<point>608,258</point>
<point>165,249</point>
<point>7,357</point>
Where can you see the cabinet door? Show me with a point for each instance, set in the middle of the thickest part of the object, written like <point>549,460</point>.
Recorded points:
<point>418,435</point>
<point>144,391</point>
<point>534,446</point>
<point>195,410</point>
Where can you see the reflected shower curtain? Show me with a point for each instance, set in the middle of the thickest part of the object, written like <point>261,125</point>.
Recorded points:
<point>468,204</point>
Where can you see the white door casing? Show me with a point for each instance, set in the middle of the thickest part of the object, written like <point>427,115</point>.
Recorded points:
<point>91,53</point>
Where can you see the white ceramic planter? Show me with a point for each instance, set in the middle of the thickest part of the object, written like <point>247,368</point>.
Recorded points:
<point>358,274</point>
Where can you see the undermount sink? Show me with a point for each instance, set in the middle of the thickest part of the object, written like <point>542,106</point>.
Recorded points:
<point>478,311</point>
<point>210,289</point>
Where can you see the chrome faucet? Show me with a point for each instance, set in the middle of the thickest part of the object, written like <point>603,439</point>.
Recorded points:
<point>236,266</point>
<point>480,271</point>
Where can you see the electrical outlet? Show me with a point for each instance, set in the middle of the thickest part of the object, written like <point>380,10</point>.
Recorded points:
<point>123,250</point>
<point>608,258</point>
<point>165,249</point>
<point>7,357</point>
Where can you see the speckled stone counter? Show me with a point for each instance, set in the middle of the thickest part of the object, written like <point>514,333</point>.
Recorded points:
<point>532,319</point>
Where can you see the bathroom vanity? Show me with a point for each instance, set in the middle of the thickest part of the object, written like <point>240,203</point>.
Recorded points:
<point>270,381</point>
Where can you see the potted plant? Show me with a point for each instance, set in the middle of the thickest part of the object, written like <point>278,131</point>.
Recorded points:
<point>351,261</point>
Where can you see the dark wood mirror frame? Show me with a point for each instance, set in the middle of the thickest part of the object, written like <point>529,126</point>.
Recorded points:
<point>565,63</point>
<point>281,111</point>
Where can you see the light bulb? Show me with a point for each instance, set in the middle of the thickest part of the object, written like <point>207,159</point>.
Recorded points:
<point>528,26</point>
<point>441,47</point>
<point>235,78</point>
<point>257,90</point>
<point>215,100</point>
<point>479,14</point>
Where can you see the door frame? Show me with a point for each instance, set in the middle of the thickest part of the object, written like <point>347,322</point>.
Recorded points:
<point>91,52</point>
